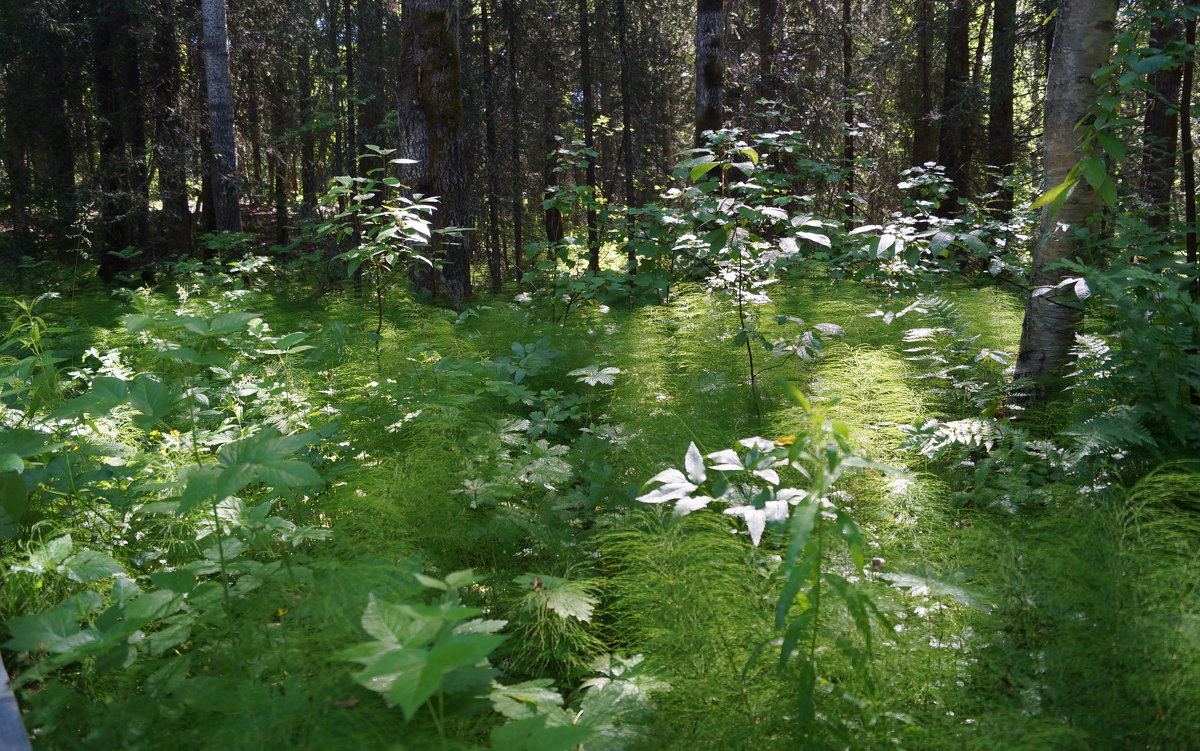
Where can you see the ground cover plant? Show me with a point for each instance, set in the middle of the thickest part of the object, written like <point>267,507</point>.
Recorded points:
<point>791,434</point>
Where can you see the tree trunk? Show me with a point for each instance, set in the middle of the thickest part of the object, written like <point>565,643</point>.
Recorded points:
<point>1081,46</point>
<point>1189,159</point>
<point>1159,127</point>
<point>850,121</point>
<point>518,172</point>
<point>122,139</point>
<point>1000,105</point>
<point>489,113</point>
<point>627,126</point>
<point>710,67</point>
<point>430,114</point>
<point>924,147</point>
<point>589,135</point>
<point>226,210</point>
<point>957,108</point>
<point>171,150</point>
<point>768,15</point>
<point>369,81</point>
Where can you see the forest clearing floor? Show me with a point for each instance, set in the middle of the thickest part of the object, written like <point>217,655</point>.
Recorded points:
<point>1036,622</point>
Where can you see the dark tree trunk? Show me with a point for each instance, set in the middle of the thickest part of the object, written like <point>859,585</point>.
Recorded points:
<point>308,145</point>
<point>372,21</point>
<point>430,113</point>
<point>171,149</point>
<point>924,147</point>
<point>122,138</point>
<point>1189,159</point>
<point>589,134</point>
<point>351,94</point>
<point>515,140</point>
<point>768,15</point>
<point>226,191</point>
<point>627,126</point>
<point>489,109</point>
<point>1000,104</point>
<point>710,67</point>
<point>957,111</point>
<point>58,142</point>
<point>850,121</point>
<point>1159,127</point>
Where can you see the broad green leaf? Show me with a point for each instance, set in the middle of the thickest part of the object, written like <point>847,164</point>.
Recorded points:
<point>91,565</point>
<point>227,323</point>
<point>14,498</point>
<point>100,399</point>
<point>1094,171</point>
<point>522,700</point>
<point>55,630</point>
<point>700,170</point>
<point>152,399</point>
<point>11,463</point>
<point>1152,64</point>
<point>1113,146</point>
<point>751,154</point>
<point>1053,194</point>
<point>538,734</point>
<point>289,473</point>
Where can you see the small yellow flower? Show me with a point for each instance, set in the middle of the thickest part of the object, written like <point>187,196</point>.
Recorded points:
<point>785,440</point>
<point>175,433</point>
<point>153,432</point>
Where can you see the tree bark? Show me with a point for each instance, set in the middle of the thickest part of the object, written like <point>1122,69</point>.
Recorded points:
<point>850,121</point>
<point>1189,159</point>
<point>768,15</point>
<point>589,135</point>
<point>226,209</point>
<point>515,140</point>
<point>489,113</point>
<point>957,109</point>
<point>1081,46</point>
<point>171,148</point>
<point>924,146</point>
<point>430,114</point>
<point>1159,127</point>
<point>710,67</point>
<point>1000,105</point>
<point>124,200</point>
<point>627,126</point>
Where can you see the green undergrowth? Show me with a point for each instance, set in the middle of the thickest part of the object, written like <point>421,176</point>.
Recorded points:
<point>1071,626</point>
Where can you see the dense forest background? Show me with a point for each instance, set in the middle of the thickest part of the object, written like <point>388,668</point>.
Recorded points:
<point>599,375</point>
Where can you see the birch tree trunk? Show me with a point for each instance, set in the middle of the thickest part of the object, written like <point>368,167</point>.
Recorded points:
<point>710,66</point>
<point>1081,45</point>
<point>226,211</point>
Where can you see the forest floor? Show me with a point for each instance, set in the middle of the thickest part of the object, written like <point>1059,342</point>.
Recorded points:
<point>1018,625</point>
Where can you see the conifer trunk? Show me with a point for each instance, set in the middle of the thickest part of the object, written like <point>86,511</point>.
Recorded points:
<point>710,67</point>
<point>1000,104</point>
<point>226,210</point>
<point>1160,125</point>
<point>430,114</point>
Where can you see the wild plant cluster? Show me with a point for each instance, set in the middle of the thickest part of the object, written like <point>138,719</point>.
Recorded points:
<point>588,516</point>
